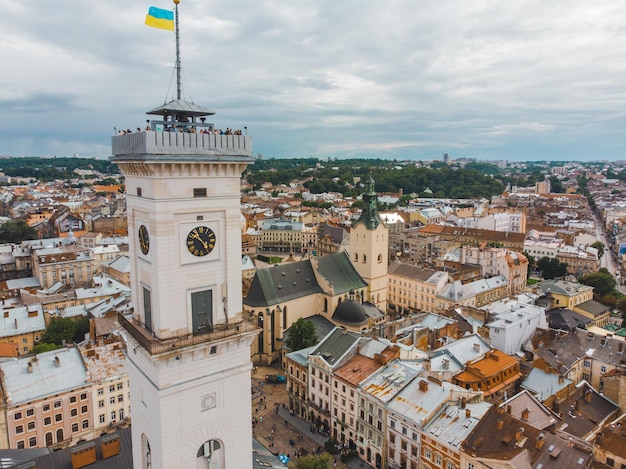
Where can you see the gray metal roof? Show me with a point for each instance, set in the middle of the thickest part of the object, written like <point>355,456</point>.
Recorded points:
<point>180,106</point>
<point>46,378</point>
<point>21,320</point>
<point>543,385</point>
<point>62,459</point>
<point>335,345</point>
<point>339,271</point>
<point>294,280</point>
<point>18,283</point>
<point>282,283</point>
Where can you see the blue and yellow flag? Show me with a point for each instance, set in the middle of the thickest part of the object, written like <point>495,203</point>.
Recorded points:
<point>162,19</point>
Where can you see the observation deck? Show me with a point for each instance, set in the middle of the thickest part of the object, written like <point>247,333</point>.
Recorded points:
<point>167,144</point>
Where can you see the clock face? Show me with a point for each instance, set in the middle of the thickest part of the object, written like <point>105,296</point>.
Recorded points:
<point>201,241</point>
<point>144,239</point>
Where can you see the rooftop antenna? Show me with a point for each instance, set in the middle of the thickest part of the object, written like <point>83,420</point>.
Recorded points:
<point>178,86</point>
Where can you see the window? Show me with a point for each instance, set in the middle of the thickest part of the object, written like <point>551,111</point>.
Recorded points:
<point>31,426</point>
<point>438,459</point>
<point>19,429</point>
<point>120,386</point>
<point>73,412</point>
<point>112,400</point>
<point>74,427</point>
<point>100,391</point>
<point>58,418</point>
<point>428,454</point>
<point>111,388</point>
<point>202,310</point>
<point>83,409</point>
<point>121,414</point>
<point>199,192</point>
<point>120,398</point>
<point>85,424</point>
<point>47,421</point>
<point>32,442</point>
<point>139,192</point>
<point>113,416</point>
<point>101,418</point>
<point>20,444</point>
<point>17,416</point>
<point>83,396</point>
<point>72,399</point>
<point>57,404</point>
<point>603,369</point>
<point>30,412</point>
<point>101,403</point>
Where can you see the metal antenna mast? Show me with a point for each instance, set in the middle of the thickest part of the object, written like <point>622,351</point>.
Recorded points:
<point>178,85</point>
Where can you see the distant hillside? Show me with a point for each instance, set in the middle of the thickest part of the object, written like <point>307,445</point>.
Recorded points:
<point>50,169</point>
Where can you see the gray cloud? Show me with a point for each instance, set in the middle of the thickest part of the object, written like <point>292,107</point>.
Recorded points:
<point>522,80</point>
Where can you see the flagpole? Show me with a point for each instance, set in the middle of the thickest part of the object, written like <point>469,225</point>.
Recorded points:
<point>178,90</point>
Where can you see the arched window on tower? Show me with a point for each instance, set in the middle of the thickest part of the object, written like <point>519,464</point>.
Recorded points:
<point>364,258</point>
<point>211,455</point>
<point>146,454</point>
<point>380,258</point>
<point>356,257</point>
<point>325,305</point>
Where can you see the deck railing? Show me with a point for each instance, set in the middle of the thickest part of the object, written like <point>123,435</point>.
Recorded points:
<point>155,346</point>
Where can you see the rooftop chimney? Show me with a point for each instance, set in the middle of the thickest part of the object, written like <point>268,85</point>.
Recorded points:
<point>57,361</point>
<point>477,347</point>
<point>468,413</point>
<point>500,424</point>
<point>110,445</point>
<point>423,385</point>
<point>525,413</point>
<point>519,434</point>
<point>541,439</point>
<point>29,367</point>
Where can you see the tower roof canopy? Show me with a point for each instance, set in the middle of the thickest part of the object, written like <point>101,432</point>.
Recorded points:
<point>181,110</point>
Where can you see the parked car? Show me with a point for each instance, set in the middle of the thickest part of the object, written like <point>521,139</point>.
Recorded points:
<point>274,379</point>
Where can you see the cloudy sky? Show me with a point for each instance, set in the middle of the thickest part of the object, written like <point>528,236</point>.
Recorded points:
<point>489,79</point>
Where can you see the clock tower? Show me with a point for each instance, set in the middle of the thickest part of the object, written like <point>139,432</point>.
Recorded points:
<point>188,342</point>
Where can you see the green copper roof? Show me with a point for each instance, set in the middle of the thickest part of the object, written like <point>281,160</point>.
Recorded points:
<point>369,215</point>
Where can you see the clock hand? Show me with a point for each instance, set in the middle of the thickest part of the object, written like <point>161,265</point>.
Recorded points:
<point>204,243</point>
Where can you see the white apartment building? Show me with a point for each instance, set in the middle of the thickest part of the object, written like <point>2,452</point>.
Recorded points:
<point>515,321</point>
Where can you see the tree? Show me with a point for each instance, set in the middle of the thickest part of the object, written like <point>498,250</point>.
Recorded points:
<point>551,268</point>
<point>531,263</point>
<point>67,330</point>
<point>600,247</point>
<point>301,335</point>
<point>322,461</point>
<point>42,347</point>
<point>602,281</point>
<point>16,231</point>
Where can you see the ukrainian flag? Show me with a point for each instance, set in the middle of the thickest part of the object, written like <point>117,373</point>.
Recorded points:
<point>162,19</point>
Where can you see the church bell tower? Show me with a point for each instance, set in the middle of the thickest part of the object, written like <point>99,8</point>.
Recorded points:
<point>188,342</point>
<point>369,248</point>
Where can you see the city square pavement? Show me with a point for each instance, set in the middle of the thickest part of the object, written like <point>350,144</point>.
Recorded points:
<point>280,431</point>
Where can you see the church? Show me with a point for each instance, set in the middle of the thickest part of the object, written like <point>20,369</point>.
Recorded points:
<point>349,290</point>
